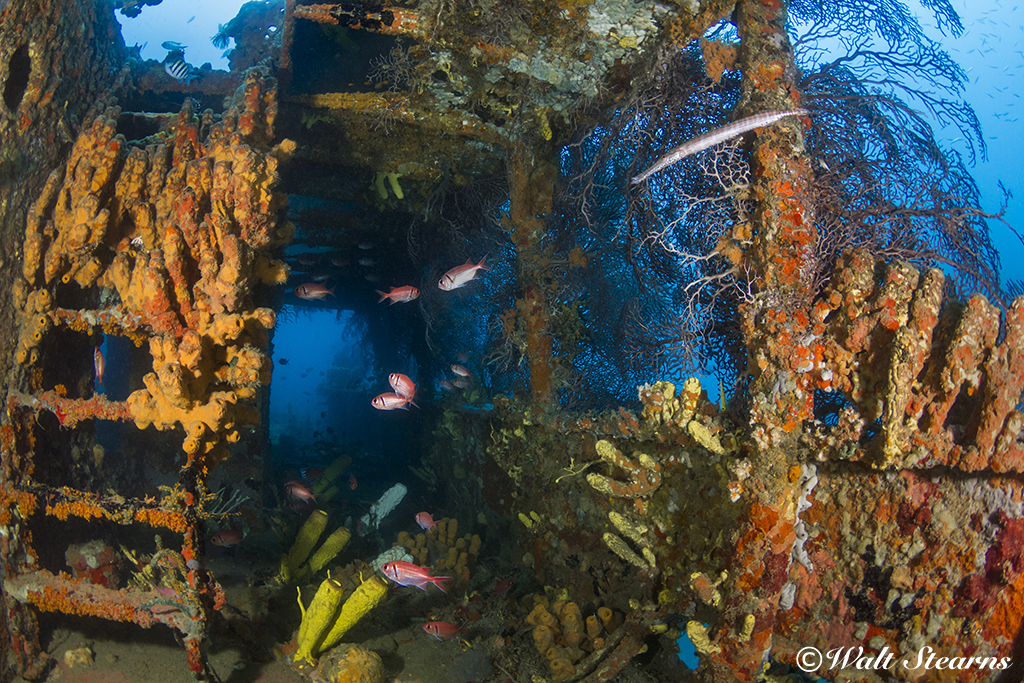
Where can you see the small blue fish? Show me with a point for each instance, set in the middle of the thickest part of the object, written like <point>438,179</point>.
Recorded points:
<point>172,46</point>
<point>177,69</point>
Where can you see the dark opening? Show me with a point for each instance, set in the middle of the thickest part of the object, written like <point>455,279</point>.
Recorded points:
<point>18,69</point>
<point>138,125</point>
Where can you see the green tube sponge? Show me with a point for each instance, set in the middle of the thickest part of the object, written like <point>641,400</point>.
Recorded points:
<point>330,549</point>
<point>309,534</point>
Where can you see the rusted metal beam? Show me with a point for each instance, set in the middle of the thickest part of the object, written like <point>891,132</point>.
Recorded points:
<point>60,593</point>
<point>402,108</point>
<point>393,21</point>
<point>70,411</point>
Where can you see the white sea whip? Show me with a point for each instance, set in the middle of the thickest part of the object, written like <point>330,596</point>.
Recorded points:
<point>712,138</point>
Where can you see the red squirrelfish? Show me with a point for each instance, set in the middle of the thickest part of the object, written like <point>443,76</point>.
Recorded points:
<point>352,483</point>
<point>99,364</point>
<point>441,630</point>
<point>391,402</point>
<point>460,276</point>
<point>297,491</point>
<point>399,295</point>
<point>425,520</point>
<point>313,290</point>
<point>402,385</point>
<point>408,574</point>
<point>460,370</point>
<point>226,538</point>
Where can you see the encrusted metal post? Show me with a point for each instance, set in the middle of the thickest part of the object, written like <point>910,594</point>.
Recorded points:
<point>775,327</point>
<point>531,184</point>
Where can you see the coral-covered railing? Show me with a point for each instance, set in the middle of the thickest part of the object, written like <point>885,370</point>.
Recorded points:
<point>177,234</point>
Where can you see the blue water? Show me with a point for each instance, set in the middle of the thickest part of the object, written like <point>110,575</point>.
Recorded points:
<point>687,652</point>
<point>189,22</point>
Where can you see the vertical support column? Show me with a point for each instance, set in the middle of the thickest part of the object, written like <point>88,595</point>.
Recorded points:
<point>285,66</point>
<point>775,327</point>
<point>22,627</point>
<point>531,186</point>
<point>783,252</point>
<point>193,478</point>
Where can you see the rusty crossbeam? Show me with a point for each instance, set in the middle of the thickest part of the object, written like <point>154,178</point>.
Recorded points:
<point>60,593</point>
<point>70,411</point>
<point>394,21</point>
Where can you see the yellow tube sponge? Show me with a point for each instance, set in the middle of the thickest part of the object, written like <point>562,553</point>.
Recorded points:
<point>395,187</point>
<point>363,599</point>
<point>333,471</point>
<point>317,619</point>
<point>329,550</point>
<point>378,182</point>
<point>572,624</point>
<point>698,635</point>
<point>543,638</point>
<point>328,495</point>
<point>704,437</point>
<point>308,535</point>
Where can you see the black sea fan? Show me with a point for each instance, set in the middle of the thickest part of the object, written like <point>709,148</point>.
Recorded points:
<point>221,39</point>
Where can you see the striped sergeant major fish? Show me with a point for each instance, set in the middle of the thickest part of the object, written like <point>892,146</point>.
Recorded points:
<point>178,69</point>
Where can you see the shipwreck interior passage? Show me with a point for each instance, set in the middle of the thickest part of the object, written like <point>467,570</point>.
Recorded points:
<point>492,340</point>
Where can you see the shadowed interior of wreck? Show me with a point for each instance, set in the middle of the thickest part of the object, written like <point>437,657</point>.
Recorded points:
<point>856,482</point>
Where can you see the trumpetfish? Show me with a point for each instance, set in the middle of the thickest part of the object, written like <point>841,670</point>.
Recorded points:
<point>712,138</point>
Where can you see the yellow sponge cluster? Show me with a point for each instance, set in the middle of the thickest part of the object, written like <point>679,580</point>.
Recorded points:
<point>563,637</point>
<point>454,556</point>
